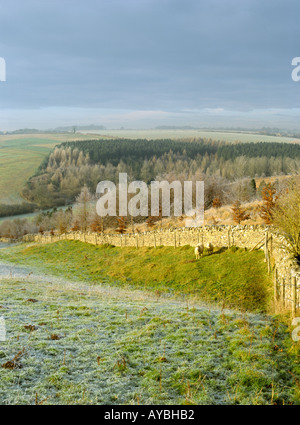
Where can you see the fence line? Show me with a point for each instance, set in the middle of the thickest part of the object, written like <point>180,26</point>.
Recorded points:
<point>284,270</point>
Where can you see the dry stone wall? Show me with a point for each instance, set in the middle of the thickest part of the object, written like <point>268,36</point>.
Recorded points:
<point>285,271</point>
<point>241,236</point>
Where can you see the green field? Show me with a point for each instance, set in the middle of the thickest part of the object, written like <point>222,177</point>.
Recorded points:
<point>232,278</point>
<point>106,325</point>
<point>20,156</point>
<point>182,134</point>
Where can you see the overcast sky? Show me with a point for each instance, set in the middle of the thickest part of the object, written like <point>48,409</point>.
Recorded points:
<point>142,63</point>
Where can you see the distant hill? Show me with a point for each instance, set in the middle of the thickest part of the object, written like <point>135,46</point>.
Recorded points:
<point>175,127</point>
<point>21,131</point>
<point>80,128</point>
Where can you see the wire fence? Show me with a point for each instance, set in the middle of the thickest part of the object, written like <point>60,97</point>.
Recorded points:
<point>284,271</point>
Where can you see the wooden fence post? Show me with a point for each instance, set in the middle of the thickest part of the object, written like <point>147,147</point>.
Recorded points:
<point>174,239</point>
<point>275,288</point>
<point>283,292</point>
<point>294,296</point>
<point>267,252</point>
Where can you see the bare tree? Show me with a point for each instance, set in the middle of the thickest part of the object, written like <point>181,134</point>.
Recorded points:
<point>82,206</point>
<point>62,220</point>
<point>286,215</point>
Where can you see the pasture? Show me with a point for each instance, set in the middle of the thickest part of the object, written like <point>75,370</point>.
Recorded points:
<point>73,344</point>
<point>20,156</point>
<point>104,325</point>
<point>188,134</point>
<point>232,278</point>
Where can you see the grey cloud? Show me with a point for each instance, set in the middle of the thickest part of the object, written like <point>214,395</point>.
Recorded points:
<point>149,54</point>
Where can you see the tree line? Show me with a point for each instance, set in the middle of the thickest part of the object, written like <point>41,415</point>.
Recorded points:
<point>7,210</point>
<point>72,165</point>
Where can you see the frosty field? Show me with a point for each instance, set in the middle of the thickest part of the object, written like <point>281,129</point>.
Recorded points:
<point>71,343</point>
<point>77,334</point>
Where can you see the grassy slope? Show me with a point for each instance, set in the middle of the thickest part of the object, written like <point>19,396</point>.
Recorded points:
<point>235,279</point>
<point>17,165</point>
<point>20,156</point>
<point>123,347</point>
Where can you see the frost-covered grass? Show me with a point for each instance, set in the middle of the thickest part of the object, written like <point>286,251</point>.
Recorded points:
<point>117,346</point>
<point>234,278</point>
